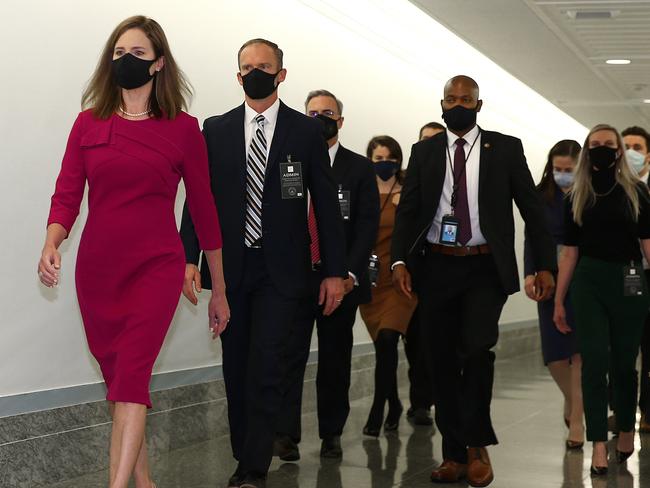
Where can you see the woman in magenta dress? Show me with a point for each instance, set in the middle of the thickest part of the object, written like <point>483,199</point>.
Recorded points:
<point>133,147</point>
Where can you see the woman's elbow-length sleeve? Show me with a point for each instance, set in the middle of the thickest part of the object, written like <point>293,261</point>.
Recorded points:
<point>200,200</point>
<point>71,182</point>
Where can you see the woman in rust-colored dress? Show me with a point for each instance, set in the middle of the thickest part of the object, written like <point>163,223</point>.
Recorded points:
<point>388,314</point>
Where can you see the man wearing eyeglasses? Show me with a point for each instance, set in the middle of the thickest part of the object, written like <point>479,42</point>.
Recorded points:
<point>359,202</point>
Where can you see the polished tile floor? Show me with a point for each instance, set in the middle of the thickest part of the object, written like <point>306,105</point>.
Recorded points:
<point>527,413</point>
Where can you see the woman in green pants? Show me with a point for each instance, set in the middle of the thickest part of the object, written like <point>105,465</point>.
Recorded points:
<point>608,212</point>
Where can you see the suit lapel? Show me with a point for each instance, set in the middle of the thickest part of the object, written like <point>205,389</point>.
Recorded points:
<point>279,136</point>
<point>485,160</point>
<point>438,172</point>
<point>239,141</point>
<point>340,168</point>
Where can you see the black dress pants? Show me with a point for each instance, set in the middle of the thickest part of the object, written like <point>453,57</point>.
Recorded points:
<point>644,380</point>
<point>254,348</point>
<point>420,389</point>
<point>461,300</point>
<point>334,363</point>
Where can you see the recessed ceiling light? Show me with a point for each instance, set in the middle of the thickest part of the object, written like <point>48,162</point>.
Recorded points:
<point>618,61</point>
<point>647,100</point>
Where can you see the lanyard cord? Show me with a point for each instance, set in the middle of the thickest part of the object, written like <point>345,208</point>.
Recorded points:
<point>454,193</point>
<point>390,192</point>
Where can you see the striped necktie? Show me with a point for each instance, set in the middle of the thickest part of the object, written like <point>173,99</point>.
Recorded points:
<point>255,170</point>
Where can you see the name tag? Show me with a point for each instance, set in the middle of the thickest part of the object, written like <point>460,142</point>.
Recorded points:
<point>632,282</point>
<point>344,203</point>
<point>449,230</point>
<point>291,185</point>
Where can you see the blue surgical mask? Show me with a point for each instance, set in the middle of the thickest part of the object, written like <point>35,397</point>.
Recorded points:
<point>386,169</point>
<point>563,179</point>
<point>636,160</point>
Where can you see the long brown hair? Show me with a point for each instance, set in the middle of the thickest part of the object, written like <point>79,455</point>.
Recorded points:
<point>547,185</point>
<point>171,91</point>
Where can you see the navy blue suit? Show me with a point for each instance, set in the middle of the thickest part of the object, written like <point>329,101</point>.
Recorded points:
<point>264,286</point>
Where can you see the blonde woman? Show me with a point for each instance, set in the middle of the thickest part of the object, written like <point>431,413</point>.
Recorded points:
<point>606,216</point>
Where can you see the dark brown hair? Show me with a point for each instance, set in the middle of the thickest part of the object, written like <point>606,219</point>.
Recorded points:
<point>547,185</point>
<point>431,125</point>
<point>638,131</point>
<point>393,148</point>
<point>171,90</point>
<point>279,55</point>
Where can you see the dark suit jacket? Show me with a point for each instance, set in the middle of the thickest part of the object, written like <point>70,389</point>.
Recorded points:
<point>285,236</point>
<point>503,177</point>
<point>354,173</point>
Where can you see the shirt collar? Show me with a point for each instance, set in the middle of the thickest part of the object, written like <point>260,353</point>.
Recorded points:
<point>469,137</point>
<point>270,114</point>
<point>333,150</point>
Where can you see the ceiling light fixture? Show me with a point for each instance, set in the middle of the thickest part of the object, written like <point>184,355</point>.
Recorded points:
<point>618,61</point>
<point>647,100</point>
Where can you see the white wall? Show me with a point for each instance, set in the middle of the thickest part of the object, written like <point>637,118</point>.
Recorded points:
<point>386,60</point>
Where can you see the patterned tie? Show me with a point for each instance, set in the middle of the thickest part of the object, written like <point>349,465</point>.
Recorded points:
<point>255,170</point>
<point>461,212</point>
<point>313,233</point>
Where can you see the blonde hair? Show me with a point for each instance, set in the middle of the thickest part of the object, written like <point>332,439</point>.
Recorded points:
<point>582,193</point>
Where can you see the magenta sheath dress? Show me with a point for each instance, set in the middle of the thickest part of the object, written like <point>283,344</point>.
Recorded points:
<point>131,263</point>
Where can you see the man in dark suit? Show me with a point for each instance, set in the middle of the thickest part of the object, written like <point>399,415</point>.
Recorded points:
<point>359,203</point>
<point>466,178</point>
<point>264,160</point>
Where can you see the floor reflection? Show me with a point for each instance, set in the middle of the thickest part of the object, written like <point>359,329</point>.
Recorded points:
<point>527,413</point>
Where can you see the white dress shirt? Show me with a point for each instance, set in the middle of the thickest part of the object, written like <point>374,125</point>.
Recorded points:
<point>472,168</point>
<point>333,150</point>
<point>250,125</point>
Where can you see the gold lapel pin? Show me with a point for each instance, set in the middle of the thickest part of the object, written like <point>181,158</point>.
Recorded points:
<point>486,145</point>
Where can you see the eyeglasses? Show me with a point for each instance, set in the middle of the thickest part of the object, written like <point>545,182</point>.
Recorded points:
<point>326,113</point>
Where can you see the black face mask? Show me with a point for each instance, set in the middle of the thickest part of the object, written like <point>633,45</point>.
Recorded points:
<point>603,173</point>
<point>330,126</point>
<point>459,118</point>
<point>259,84</point>
<point>131,72</point>
<point>386,169</point>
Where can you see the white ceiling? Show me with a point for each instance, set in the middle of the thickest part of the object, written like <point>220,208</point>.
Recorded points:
<point>559,48</point>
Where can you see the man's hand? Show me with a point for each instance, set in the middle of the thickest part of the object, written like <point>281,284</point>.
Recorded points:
<point>192,281</point>
<point>402,280</point>
<point>348,285</point>
<point>331,294</point>
<point>219,313</point>
<point>544,286</point>
<point>529,287</point>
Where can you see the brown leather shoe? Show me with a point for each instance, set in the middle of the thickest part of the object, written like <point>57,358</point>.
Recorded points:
<point>449,472</point>
<point>479,469</point>
<point>644,426</point>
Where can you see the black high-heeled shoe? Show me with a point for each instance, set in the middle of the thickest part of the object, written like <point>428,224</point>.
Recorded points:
<point>598,470</point>
<point>371,431</point>
<point>574,445</point>
<point>373,424</point>
<point>392,419</point>
<point>622,456</point>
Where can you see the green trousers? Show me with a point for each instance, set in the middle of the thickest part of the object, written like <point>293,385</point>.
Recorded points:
<point>610,326</point>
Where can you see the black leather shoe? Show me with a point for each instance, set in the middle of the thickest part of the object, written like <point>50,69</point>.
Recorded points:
<point>331,448</point>
<point>371,431</point>
<point>598,470</point>
<point>236,478</point>
<point>392,419</point>
<point>419,416</point>
<point>622,456</point>
<point>286,449</point>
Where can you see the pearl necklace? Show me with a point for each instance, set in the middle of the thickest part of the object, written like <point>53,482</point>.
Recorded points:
<point>134,115</point>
